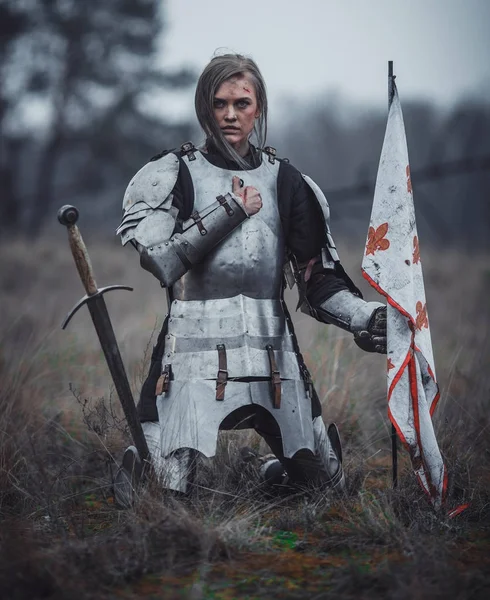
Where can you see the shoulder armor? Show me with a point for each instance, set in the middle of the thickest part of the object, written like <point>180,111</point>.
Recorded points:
<point>152,184</point>
<point>161,154</point>
<point>157,228</point>
<point>320,196</point>
<point>322,202</point>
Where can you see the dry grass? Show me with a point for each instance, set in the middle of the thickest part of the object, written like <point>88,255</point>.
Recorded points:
<point>62,537</point>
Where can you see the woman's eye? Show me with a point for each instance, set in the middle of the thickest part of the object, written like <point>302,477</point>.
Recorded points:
<point>243,103</point>
<point>218,104</point>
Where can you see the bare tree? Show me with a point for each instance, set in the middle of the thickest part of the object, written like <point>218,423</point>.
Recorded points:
<point>85,67</point>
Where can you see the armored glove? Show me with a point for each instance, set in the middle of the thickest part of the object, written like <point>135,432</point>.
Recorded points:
<point>373,339</point>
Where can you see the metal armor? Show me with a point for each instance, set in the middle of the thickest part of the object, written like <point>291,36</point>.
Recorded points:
<point>148,214</point>
<point>149,222</point>
<point>229,348</point>
<point>227,327</point>
<point>347,311</point>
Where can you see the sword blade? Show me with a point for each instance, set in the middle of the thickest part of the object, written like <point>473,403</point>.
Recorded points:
<point>107,338</point>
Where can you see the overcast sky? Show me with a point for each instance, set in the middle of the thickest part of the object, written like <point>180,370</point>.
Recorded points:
<point>441,48</point>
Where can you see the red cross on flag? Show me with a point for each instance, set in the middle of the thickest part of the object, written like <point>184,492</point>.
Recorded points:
<point>392,266</point>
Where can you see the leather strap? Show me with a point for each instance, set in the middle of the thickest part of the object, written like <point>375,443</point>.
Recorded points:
<point>224,203</point>
<point>196,217</point>
<point>275,378</point>
<point>188,149</point>
<point>271,152</point>
<point>163,381</point>
<point>222,377</point>
<point>305,375</point>
<point>182,255</point>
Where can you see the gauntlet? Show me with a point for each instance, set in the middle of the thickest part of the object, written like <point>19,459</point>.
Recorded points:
<point>373,338</point>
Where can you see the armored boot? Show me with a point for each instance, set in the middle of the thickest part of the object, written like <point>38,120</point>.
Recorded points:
<point>269,466</point>
<point>127,478</point>
<point>322,466</point>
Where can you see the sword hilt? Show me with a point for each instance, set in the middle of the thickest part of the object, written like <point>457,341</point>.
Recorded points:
<point>68,216</point>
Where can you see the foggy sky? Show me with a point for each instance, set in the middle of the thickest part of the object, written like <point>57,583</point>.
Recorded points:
<point>440,48</point>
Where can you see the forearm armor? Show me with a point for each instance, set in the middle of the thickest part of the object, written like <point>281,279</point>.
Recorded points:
<point>347,311</point>
<point>169,260</point>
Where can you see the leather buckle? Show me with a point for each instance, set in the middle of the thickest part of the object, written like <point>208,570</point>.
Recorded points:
<point>271,153</point>
<point>305,374</point>
<point>163,381</point>
<point>196,217</point>
<point>224,203</point>
<point>275,378</point>
<point>222,376</point>
<point>188,149</point>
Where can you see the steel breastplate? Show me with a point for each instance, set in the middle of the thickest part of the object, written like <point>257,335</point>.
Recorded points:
<point>249,261</point>
<point>234,296</point>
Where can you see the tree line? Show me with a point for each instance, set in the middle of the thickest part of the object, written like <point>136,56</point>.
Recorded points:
<point>75,78</point>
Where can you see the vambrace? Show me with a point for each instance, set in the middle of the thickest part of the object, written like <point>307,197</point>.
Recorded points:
<point>347,311</point>
<point>169,260</point>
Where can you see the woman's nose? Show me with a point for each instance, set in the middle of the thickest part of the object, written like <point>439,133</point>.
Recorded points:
<point>230,114</point>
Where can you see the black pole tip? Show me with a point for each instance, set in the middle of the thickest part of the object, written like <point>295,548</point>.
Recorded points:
<point>68,215</point>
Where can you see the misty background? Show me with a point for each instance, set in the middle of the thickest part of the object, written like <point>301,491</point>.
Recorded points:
<point>90,91</point>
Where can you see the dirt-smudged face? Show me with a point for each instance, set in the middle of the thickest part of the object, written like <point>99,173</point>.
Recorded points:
<point>235,110</point>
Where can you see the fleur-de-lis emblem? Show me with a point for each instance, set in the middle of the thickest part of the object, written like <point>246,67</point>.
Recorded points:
<point>421,320</point>
<point>409,180</point>
<point>376,239</point>
<point>416,250</point>
<point>390,365</point>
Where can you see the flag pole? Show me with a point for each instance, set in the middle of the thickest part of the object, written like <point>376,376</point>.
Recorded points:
<point>394,447</point>
<point>391,83</point>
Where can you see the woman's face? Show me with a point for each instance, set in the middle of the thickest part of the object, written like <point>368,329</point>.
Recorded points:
<point>235,110</point>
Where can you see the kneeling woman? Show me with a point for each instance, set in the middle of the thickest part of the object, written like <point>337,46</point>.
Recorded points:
<point>216,225</point>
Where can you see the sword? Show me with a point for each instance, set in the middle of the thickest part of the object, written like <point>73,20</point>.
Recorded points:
<point>94,299</point>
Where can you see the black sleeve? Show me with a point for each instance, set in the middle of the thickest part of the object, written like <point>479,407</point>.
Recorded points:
<point>304,226</point>
<point>324,285</point>
<point>300,214</point>
<point>183,192</point>
<point>147,406</point>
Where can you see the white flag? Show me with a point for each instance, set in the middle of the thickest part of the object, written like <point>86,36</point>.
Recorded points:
<point>392,266</point>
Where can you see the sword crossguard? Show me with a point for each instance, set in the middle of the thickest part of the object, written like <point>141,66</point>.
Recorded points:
<point>89,297</point>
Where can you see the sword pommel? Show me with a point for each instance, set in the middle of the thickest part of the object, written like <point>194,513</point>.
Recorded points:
<point>68,215</point>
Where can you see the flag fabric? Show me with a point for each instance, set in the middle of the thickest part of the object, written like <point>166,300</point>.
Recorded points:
<point>392,265</point>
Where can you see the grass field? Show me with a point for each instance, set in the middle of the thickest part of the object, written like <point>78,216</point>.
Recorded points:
<point>61,435</point>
